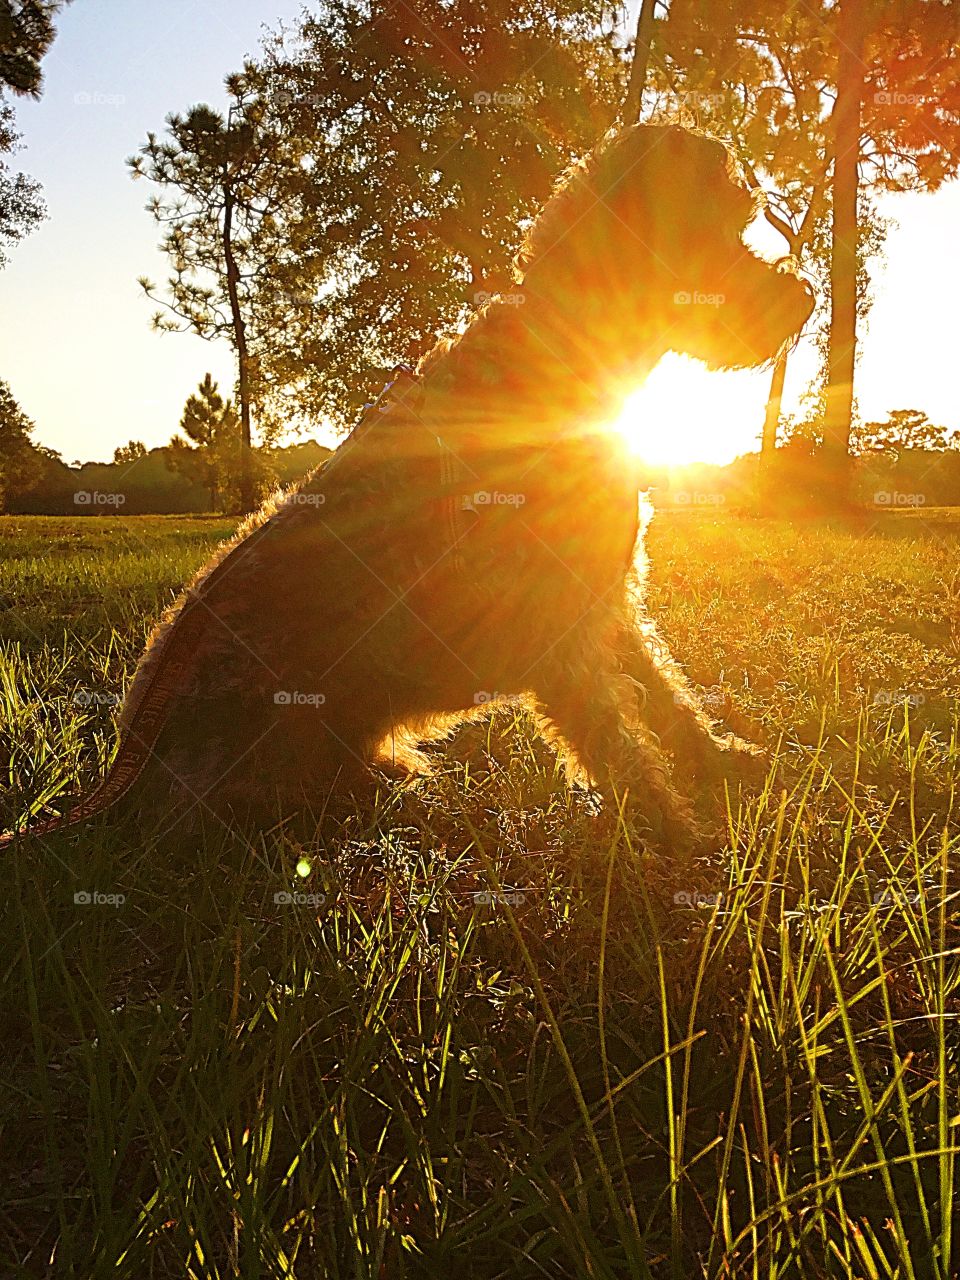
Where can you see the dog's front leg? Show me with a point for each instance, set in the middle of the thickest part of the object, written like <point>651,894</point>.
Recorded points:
<point>675,712</point>
<point>591,708</point>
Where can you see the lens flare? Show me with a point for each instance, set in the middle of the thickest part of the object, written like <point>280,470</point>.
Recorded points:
<point>683,413</point>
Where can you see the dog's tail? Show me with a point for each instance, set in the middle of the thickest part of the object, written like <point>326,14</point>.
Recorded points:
<point>139,737</point>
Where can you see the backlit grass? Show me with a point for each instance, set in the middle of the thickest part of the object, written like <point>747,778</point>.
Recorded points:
<point>489,1034</point>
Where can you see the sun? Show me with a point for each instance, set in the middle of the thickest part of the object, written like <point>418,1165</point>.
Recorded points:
<point>683,413</point>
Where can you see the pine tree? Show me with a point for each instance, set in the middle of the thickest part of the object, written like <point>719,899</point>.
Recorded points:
<point>19,458</point>
<point>218,205</point>
<point>210,453</point>
<point>827,105</point>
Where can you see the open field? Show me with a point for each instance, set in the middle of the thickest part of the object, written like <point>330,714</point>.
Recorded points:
<point>486,1034</point>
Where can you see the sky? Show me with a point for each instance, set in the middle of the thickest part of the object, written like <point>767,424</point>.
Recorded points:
<point>76,345</point>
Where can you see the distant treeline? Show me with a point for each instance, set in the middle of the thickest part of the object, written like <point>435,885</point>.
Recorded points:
<point>915,479</point>
<point>150,486</point>
<point>145,485</point>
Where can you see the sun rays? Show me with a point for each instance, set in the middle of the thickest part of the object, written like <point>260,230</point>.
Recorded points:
<point>683,413</point>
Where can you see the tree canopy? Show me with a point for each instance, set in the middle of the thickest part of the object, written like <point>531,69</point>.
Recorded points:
<point>384,165</point>
<point>21,201</point>
<point>26,33</point>
<point>18,455</point>
<point>826,105</point>
<point>903,429</point>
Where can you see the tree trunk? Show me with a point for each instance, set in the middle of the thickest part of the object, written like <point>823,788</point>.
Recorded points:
<point>851,22</point>
<point>797,242</point>
<point>641,60</point>
<point>240,335</point>
<point>768,441</point>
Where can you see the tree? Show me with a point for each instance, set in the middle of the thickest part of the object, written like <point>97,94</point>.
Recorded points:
<point>417,141</point>
<point>26,33</point>
<point>131,452</point>
<point>896,127</point>
<point>21,204</point>
<point>827,104</point>
<point>219,208</point>
<point>19,458</point>
<point>210,454</point>
<point>904,429</point>
<point>746,74</point>
<point>639,62</point>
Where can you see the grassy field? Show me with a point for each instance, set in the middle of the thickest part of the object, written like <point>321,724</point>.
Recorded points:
<point>482,1032</point>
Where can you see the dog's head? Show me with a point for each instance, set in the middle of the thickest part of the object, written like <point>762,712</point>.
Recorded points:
<point>644,241</point>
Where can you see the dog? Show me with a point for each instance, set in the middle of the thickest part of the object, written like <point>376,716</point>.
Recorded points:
<point>476,536</point>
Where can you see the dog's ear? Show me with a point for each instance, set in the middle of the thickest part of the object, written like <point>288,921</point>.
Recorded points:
<point>628,208</point>
<point>682,171</point>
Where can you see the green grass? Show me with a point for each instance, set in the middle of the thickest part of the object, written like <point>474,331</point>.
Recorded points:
<point>589,1077</point>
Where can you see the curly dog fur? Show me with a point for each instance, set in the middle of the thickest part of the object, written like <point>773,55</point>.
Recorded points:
<point>353,617</point>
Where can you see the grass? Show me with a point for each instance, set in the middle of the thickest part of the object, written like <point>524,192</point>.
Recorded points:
<point>482,1031</point>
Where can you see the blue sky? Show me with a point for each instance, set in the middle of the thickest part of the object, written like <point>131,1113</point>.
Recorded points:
<point>75,340</point>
